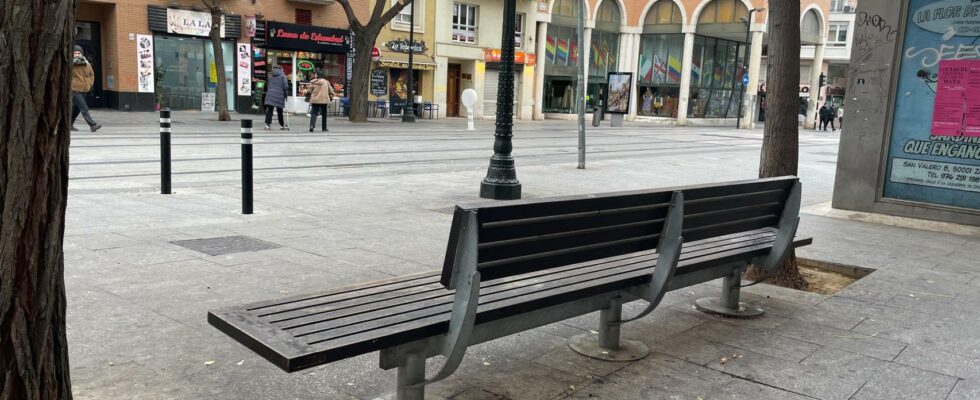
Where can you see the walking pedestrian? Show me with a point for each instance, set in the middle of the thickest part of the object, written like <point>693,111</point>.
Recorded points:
<point>275,97</point>
<point>322,94</point>
<point>82,79</point>
<point>840,117</point>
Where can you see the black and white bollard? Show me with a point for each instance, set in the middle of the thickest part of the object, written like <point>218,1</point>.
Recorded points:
<point>165,151</point>
<point>246,166</point>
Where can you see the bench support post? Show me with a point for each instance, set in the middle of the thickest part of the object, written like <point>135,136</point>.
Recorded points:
<point>410,374</point>
<point>728,305</point>
<point>609,347</point>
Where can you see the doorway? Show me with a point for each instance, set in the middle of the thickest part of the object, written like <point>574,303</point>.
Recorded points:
<point>89,38</point>
<point>453,92</point>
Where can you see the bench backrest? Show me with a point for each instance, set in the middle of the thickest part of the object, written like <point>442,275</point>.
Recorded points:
<point>520,237</point>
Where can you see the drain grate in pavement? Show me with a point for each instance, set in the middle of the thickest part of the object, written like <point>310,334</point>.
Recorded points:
<point>220,246</point>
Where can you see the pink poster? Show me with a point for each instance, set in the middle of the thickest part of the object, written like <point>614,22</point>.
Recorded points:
<point>956,111</point>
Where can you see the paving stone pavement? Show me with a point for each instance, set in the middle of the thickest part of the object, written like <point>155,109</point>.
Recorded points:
<point>372,201</point>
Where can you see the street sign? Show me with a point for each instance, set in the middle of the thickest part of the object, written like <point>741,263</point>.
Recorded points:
<point>745,80</point>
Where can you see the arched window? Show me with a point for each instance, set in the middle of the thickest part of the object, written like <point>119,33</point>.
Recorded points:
<point>565,8</point>
<point>810,28</point>
<point>608,12</point>
<point>664,12</point>
<point>723,12</point>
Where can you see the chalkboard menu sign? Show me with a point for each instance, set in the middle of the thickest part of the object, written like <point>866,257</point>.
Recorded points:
<point>379,82</point>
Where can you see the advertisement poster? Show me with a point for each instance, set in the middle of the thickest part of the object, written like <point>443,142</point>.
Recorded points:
<point>618,95</point>
<point>194,23</point>
<point>244,65</point>
<point>379,82</point>
<point>934,151</point>
<point>144,63</point>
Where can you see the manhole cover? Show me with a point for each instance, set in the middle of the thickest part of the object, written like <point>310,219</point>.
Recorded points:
<point>220,246</point>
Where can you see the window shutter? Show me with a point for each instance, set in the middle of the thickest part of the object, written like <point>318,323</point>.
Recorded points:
<point>304,17</point>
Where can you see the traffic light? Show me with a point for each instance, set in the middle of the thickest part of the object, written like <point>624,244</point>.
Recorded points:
<point>823,80</point>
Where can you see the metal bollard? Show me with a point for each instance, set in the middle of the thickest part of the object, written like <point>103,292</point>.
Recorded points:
<point>246,166</point>
<point>165,151</point>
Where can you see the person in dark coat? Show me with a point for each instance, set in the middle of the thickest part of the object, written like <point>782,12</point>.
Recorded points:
<point>275,97</point>
<point>824,116</point>
<point>82,79</point>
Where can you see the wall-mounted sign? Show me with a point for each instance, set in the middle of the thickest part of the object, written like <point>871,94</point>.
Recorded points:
<point>193,23</point>
<point>244,65</point>
<point>379,82</point>
<point>310,38</point>
<point>207,101</point>
<point>144,63</point>
<point>402,46</point>
<point>520,57</point>
<point>250,26</point>
<point>934,157</point>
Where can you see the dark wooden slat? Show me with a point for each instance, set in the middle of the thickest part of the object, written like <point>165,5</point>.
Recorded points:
<point>545,244</point>
<point>729,228</point>
<point>374,309</point>
<point>320,304</point>
<point>346,292</point>
<point>420,328</point>
<point>734,201</point>
<point>500,231</point>
<point>368,322</point>
<point>731,215</point>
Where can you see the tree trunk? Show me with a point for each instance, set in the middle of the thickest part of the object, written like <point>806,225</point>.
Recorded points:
<point>780,143</point>
<point>221,94</point>
<point>35,117</point>
<point>361,75</point>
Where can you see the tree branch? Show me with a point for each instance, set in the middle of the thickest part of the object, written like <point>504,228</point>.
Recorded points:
<point>351,17</point>
<point>394,10</point>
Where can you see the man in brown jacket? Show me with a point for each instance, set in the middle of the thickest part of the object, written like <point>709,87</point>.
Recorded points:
<point>82,79</point>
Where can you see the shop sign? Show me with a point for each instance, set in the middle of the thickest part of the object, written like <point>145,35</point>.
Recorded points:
<point>144,63</point>
<point>309,38</point>
<point>305,65</point>
<point>379,82</point>
<point>375,54</point>
<point>520,57</point>
<point>193,23</point>
<point>402,46</point>
<point>244,65</point>
<point>804,90</point>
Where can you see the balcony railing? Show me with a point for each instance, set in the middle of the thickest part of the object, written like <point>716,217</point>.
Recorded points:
<point>843,7</point>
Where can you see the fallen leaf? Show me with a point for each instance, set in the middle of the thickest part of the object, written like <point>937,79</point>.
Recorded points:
<point>209,362</point>
<point>572,387</point>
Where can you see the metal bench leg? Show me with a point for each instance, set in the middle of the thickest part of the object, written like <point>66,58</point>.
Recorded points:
<point>411,373</point>
<point>609,347</point>
<point>728,305</point>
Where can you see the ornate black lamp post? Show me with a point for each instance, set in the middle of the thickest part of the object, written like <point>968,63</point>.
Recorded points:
<point>408,113</point>
<point>501,182</point>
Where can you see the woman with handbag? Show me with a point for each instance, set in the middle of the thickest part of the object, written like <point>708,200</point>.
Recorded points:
<point>321,92</point>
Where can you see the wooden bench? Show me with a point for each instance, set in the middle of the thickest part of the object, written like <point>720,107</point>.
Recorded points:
<point>514,266</point>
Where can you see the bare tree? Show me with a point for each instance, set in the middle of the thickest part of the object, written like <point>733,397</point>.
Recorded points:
<point>35,118</point>
<point>364,37</point>
<point>221,92</point>
<point>780,143</point>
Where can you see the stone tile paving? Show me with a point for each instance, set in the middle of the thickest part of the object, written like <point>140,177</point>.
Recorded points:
<point>137,303</point>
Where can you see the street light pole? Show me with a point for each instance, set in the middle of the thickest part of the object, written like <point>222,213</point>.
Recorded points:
<point>745,65</point>
<point>581,84</point>
<point>408,112</point>
<point>501,181</point>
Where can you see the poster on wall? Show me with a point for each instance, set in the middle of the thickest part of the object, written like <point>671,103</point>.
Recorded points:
<point>934,149</point>
<point>618,95</point>
<point>193,23</point>
<point>244,64</point>
<point>379,82</point>
<point>144,63</point>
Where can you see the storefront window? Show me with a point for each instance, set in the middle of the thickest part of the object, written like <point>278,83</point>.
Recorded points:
<point>332,66</point>
<point>185,68</point>
<point>661,52</point>
<point>603,52</point>
<point>561,69</point>
<point>715,73</point>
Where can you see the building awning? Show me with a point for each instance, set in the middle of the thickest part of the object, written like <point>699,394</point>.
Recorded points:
<point>400,60</point>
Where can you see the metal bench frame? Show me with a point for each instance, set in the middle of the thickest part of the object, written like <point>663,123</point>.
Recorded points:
<point>410,358</point>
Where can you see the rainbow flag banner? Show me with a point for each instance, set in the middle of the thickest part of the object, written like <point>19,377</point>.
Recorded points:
<point>562,52</point>
<point>549,48</point>
<point>696,69</point>
<point>573,52</point>
<point>674,68</point>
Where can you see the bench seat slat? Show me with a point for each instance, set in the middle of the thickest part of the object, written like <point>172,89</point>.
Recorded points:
<point>244,323</point>
<point>327,308</point>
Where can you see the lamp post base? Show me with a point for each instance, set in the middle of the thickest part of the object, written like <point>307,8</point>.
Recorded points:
<point>500,191</point>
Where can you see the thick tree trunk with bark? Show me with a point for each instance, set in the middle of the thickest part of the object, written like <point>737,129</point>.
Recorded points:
<point>780,143</point>
<point>361,75</point>
<point>221,92</point>
<point>35,116</point>
<point>365,35</point>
